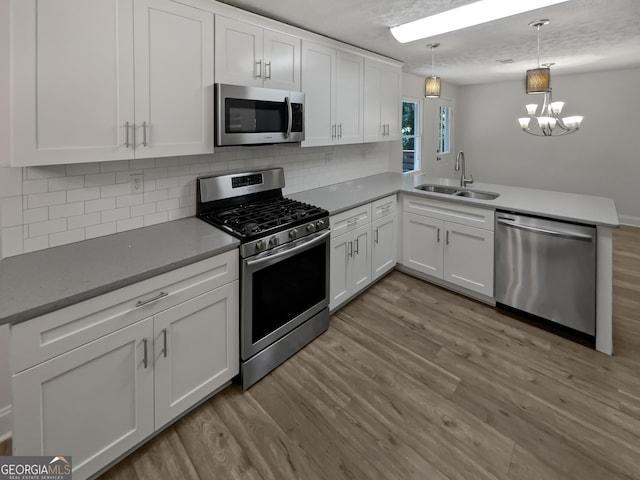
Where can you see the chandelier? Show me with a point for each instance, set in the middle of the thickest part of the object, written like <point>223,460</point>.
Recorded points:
<point>549,122</point>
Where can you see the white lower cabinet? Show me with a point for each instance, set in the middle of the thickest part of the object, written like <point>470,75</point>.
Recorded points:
<point>362,250</point>
<point>453,251</point>
<point>98,400</point>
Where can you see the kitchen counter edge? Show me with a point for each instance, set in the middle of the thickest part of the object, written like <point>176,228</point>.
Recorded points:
<point>142,253</point>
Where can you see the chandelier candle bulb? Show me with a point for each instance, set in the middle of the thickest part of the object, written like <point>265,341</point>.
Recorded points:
<point>531,108</point>
<point>573,122</point>
<point>524,122</point>
<point>556,108</point>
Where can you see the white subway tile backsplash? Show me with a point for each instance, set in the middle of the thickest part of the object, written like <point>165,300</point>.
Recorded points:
<point>155,218</point>
<point>83,169</point>
<point>32,244</point>
<point>129,200</point>
<point>66,210</point>
<point>83,194</point>
<point>129,224</point>
<point>100,205</point>
<point>68,236</point>
<point>144,209</point>
<point>35,173</point>
<point>65,183</point>
<point>114,215</point>
<point>155,196</point>
<point>94,199</point>
<point>100,179</point>
<point>11,211</point>
<point>35,186</point>
<point>100,230</point>
<point>80,221</point>
<point>47,227</point>
<point>33,215</point>
<point>36,200</point>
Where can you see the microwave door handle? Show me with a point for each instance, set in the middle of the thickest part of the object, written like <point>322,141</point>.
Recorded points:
<point>287,102</point>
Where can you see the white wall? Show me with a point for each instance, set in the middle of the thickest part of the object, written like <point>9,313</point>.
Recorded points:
<point>432,163</point>
<point>603,158</point>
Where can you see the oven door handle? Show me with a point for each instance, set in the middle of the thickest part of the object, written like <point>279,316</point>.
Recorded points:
<point>289,251</point>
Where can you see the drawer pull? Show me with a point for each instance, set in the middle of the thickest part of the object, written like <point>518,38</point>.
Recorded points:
<point>353,221</point>
<point>438,239</point>
<point>141,303</point>
<point>164,348</point>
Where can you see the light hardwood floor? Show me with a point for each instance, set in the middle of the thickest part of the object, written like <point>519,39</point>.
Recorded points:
<point>414,382</point>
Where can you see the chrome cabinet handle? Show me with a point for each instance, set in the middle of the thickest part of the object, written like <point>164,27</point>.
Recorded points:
<point>352,221</point>
<point>126,134</point>
<point>375,235</point>
<point>350,247</point>
<point>447,241</point>
<point>438,236</point>
<point>340,131</point>
<point>333,131</point>
<point>267,73</point>
<point>259,69</point>
<point>145,360</point>
<point>164,347</point>
<point>140,303</point>
<point>357,249</point>
<point>144,134</point>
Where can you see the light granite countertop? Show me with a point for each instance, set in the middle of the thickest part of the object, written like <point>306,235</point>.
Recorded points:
<point>43,281</point>
<point>592,210</point>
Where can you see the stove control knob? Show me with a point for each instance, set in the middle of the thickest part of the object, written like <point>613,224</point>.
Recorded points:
<point>320,224</point>
<point>311,228</point>
<point>293,234</point>
<point>260,245</point>
<point>273,242</point>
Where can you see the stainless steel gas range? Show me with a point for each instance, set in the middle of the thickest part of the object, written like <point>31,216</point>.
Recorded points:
<point>284,264</point>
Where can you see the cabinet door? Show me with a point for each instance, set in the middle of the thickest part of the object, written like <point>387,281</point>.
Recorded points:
<point>174,79</point>
<point>384,250</point>
<point>468,258</point>
<point>72,81</point>
<point>281,61</point>
<point>373,129</point>
<point>196,350</point>
<point>349,98</point>
<point>319,87</point>
<point>238,53</point>
<point>361,265</point>
<point>391,101</point>
<point>91,403</point>
<point>422,244</point>
<point>340,282</point>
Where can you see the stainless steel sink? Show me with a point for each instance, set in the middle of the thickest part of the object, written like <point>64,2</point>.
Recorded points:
<point>458,192</point>
<point>477,194</point>
<point>437,189</point>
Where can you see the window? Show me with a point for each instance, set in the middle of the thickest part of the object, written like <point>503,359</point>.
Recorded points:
<point>410,136</point>
<point>444,131</point>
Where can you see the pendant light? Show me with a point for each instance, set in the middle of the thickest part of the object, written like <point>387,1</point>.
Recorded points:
<point>432,83</point>
<point>538,79</point>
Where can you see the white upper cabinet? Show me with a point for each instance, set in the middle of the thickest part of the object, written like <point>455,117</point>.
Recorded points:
<point>333,83</point>
<point>74,94</point>
<point>254,56</point>
<point>382,102</point>
<point>72,81</point>
<point>174,79</point>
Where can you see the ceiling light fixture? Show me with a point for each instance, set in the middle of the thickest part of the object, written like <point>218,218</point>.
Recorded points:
<point>466,16</point>
<point>432,83</point>
<point>538,81</point>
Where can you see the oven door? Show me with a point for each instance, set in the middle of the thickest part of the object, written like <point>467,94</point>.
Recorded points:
<point>281,289</point>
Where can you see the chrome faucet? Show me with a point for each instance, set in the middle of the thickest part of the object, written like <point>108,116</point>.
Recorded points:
<point>464,181</point>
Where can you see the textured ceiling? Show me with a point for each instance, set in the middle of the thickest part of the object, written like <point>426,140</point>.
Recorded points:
<point>583,36</point>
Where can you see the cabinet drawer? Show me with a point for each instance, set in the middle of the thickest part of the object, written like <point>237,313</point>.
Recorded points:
<point>350,220</point>
<point>450,212</point>
<point>47,336</point>
<point>383,207</point>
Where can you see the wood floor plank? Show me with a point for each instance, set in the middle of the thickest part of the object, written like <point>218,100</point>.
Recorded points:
<point>165,457</point>
<point>6,448</point>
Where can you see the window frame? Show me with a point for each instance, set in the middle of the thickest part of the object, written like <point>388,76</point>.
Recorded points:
<point>417,136</point>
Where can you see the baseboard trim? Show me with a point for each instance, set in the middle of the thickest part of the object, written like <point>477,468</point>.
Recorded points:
<point>6,423</point>
<point>629,220</point>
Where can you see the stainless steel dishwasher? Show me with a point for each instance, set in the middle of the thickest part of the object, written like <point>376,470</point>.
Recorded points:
<point>547,268</point>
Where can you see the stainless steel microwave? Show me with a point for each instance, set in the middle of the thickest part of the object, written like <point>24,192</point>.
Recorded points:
<point>254,115</point>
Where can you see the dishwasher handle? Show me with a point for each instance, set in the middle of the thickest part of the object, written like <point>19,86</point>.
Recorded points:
<point>544,231</point>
